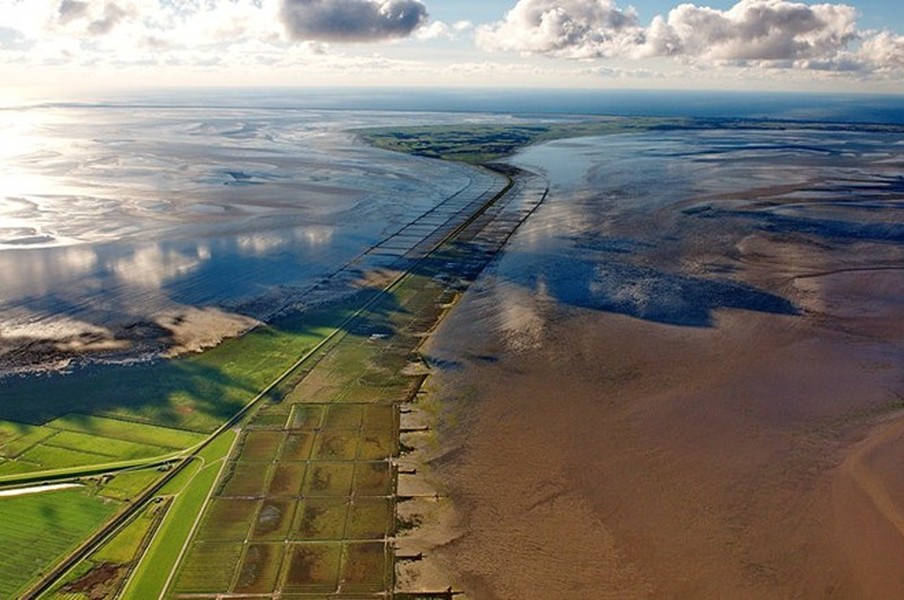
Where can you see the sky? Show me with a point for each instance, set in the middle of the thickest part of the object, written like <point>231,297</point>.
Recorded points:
<point>763,45</point>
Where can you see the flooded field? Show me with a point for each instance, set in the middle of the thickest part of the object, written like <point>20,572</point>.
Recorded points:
<point>683,378</point>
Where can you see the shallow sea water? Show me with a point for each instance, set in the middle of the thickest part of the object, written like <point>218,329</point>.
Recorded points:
<point>110,215</point>
<point>653,225</point>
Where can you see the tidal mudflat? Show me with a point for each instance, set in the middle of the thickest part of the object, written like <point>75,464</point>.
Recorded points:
<point>137,231</point>
<point>683,378</point>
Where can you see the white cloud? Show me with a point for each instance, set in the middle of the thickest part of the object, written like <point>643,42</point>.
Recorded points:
<point>760,33</point>
<point>757,30</point>
<point>884,50</point>
<point>161,31</point>
<point>564,28</point>
<point>435,30</point>
<point>441,30</point>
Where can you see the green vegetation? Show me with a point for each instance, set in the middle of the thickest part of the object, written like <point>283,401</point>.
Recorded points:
<point>484,143</point>
<point>195,393</point>
<point>478,144</point>
<point>103,573</point>
<point>139,433</point>
<point>39,529</point>
<point>77,440</point>
<point>32,437</point>
<point>127,485</point>
<point>190,490</point>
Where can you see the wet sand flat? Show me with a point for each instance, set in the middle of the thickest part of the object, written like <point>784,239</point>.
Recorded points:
<point>678,392</point>
<point>127,234</point>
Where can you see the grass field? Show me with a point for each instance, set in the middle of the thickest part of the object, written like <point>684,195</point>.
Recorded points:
<point>129,431</point>
<point>78,440</point>
<point>197,393</point>
<point>39,529</point>
<point>126,485</point>
<point>103,572</point>
<point>190,490</point>
<point>482,143</point>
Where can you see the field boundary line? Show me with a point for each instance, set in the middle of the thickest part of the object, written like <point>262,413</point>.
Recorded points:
<point>191,534</point>
<point>188,454</point>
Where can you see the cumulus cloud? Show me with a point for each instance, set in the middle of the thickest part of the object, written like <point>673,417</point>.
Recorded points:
<point>756,30</point>
<point>564,28</point>
<point>439,29</point>
<point>885,50</point>
<point>352,20</point>
<point>771,33</point>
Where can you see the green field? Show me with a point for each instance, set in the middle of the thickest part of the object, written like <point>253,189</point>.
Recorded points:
<point>190,491</point>
<point>39,529</point>
<point>196,393</point>
<point>484,143</point>
<point>103,572</point>
<point>129,431</point>
<point>78,440</point>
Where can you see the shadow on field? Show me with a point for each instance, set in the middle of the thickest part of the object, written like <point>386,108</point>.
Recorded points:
<point>197,392</point>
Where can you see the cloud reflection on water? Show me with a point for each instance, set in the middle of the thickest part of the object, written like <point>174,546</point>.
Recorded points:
<point>659,226</point>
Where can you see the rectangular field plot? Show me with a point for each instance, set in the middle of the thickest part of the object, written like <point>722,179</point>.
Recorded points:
<point>328,479</point>
<point>111,447</point>
<point>208,567</point>
<point>128,484</point>
<point>274,519</point>
<point>39,529</point>
<point>377,445</point>
<point>140,433</point>
<point>306,417</point>
<point>343,417</point>
<point>373,479</point>
<point>320,519</point>
<point>52,457</point>
<point>259,569</point>
<point>369,519</point>
<point>10,430</point>
<point>379,418</point>
<point>287,479</point>
<point>365,568</point>
<point>228,519</point>
<point>17,467</point>
<point>267,419</point>
<point>313,568</point>
<point>261,445</point>
<point>367,393</point>
<point>297,447</point>
<point>30,436</point>
<point>245,479</point>
<point>336,446</point>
